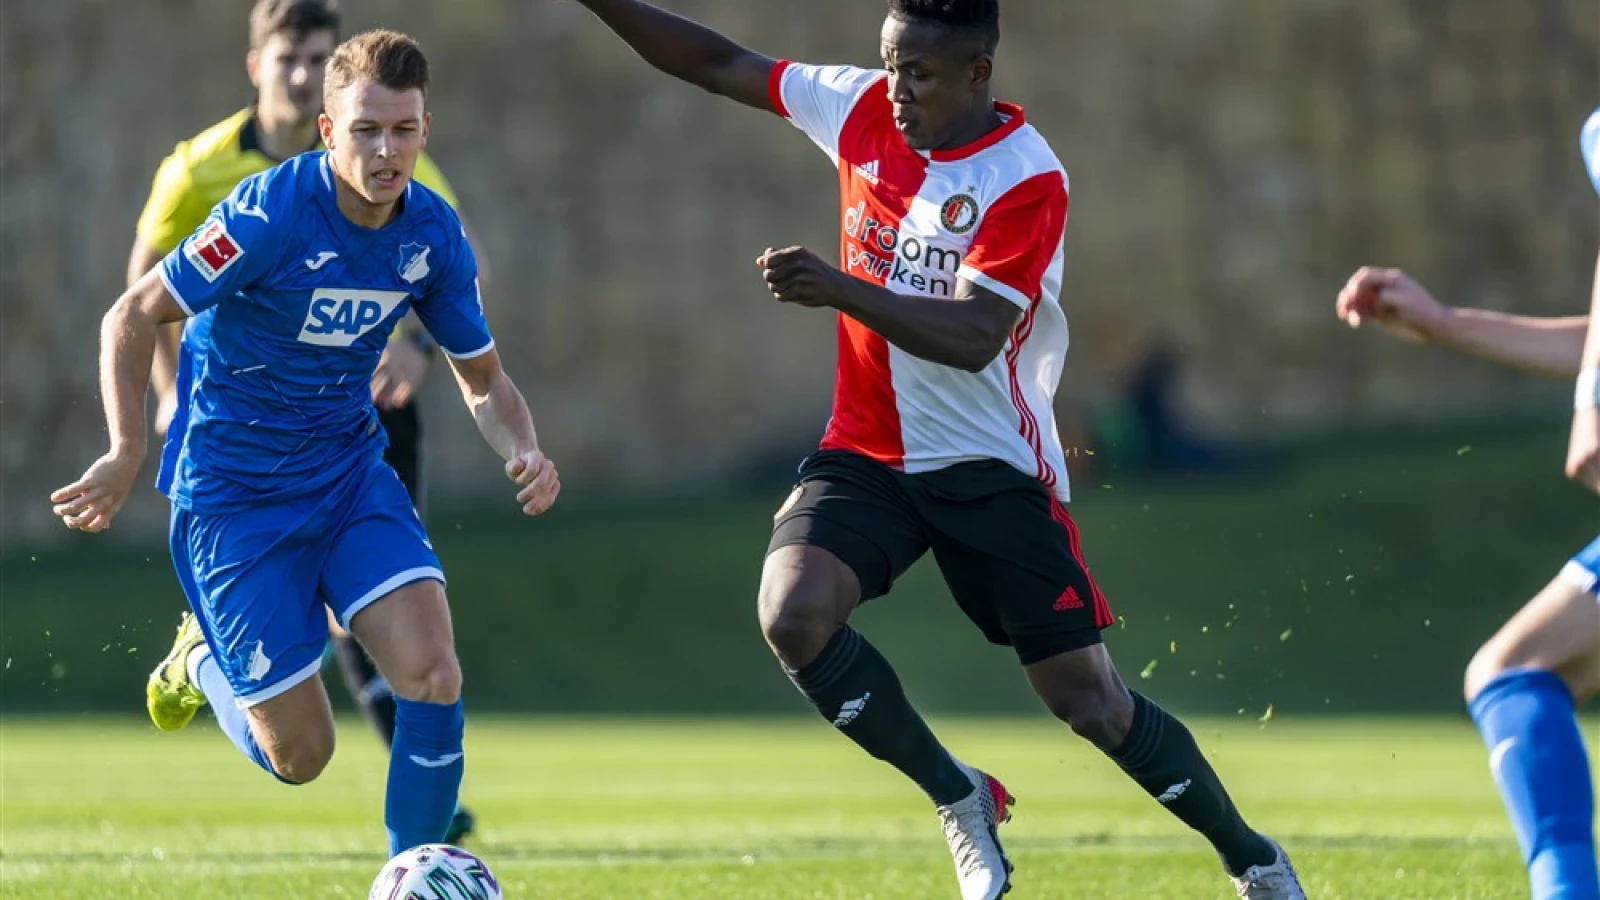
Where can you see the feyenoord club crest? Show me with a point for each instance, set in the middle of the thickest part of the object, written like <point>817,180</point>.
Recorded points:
<point>959,214</point>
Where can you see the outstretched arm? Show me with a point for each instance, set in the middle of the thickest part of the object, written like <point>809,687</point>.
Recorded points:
<point>1551,346</point>
<point>128,335</point>
<point>505,423</point>
<point>1583,448</point>
<point>688,50</point>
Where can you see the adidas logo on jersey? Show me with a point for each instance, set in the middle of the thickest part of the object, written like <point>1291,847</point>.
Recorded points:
<point>868,171</point>
<point>338,317</point>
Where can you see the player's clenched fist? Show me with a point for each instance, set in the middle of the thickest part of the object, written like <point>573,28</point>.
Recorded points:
<point>536,479</point>
<point>1392,299</point>
<point>90,503</point>
<point>796,275</point>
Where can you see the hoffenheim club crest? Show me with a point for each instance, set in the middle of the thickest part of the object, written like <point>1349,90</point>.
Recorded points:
<point>413,262</point>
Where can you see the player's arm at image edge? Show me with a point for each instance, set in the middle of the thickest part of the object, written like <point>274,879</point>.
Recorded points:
<point>689,51</point>
<point>128,335</point>
<point>1590,357</point>
<point>1542,346</point>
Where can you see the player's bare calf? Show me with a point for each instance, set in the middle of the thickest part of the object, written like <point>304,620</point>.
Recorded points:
<point>295,731</point>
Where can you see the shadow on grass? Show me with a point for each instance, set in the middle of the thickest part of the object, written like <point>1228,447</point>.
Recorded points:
<point>798,850</point>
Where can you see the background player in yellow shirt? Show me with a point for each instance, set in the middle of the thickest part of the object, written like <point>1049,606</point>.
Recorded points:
<point>290,42</point>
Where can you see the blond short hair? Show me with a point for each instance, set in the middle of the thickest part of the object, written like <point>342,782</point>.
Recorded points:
<point>383,57</point>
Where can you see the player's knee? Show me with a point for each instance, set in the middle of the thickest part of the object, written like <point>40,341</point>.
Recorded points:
<point>1554,633</point>
<point>799,607</point>
<point>1100,714</point>
<point>798,624</point>
<point>1099,722</point>
<point>437,680</point>
<point>796,634</point>
<point>1482,669</point>
<point>1501,655</point>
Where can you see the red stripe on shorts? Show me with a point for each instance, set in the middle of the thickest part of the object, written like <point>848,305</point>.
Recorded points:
<point>1102,608</point>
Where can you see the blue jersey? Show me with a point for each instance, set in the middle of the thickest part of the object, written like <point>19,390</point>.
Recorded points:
<point>299,302</point>
<point>1590,142</point>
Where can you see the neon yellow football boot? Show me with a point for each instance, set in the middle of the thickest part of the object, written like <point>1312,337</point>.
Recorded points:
<point>170,696</point>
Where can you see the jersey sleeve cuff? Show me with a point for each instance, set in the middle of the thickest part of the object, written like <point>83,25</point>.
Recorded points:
<point>472,354</point>
<point>775,87</point>
<point>166,282</point>
<point>999,287</point>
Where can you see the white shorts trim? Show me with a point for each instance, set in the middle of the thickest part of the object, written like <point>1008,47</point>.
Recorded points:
<point>245,701</point>
<point>389,586</point>
<point>1579,577</point>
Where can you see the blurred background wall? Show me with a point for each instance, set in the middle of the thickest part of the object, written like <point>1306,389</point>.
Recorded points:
<point>1231,162</point>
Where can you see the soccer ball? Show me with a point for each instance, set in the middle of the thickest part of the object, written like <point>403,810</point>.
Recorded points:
<point>435,872</point>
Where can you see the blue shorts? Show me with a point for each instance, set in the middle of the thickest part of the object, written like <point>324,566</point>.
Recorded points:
<point>258,579</point>
<point>1584,569</point>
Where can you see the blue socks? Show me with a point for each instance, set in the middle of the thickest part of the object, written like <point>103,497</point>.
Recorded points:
<point>425,762</point>
<point>425,766</point>
<point>1536,753</point>
<point>234,722</point>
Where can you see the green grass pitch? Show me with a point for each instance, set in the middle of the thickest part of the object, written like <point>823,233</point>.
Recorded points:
<point>100,808</point>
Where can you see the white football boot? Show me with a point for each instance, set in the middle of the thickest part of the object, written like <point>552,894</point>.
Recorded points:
<point>970,828</point>
<point>1276,881</point>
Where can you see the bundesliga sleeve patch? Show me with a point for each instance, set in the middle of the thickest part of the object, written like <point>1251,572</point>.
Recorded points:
<point>212,251</point>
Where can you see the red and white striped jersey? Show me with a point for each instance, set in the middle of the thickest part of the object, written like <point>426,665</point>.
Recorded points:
<point>992,212</point>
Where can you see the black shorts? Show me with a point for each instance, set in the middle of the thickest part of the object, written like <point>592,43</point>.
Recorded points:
<point>1007,548</point>
<point>404,454</point>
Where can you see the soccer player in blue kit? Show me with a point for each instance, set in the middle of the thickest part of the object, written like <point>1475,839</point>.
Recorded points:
<point>281,500</point>
<point>1523,686</point>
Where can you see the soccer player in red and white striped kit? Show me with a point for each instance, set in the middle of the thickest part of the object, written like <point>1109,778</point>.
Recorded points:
<point>951,341</point>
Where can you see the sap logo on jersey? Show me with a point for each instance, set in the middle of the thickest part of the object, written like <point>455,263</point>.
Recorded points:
<point>338,317</point>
